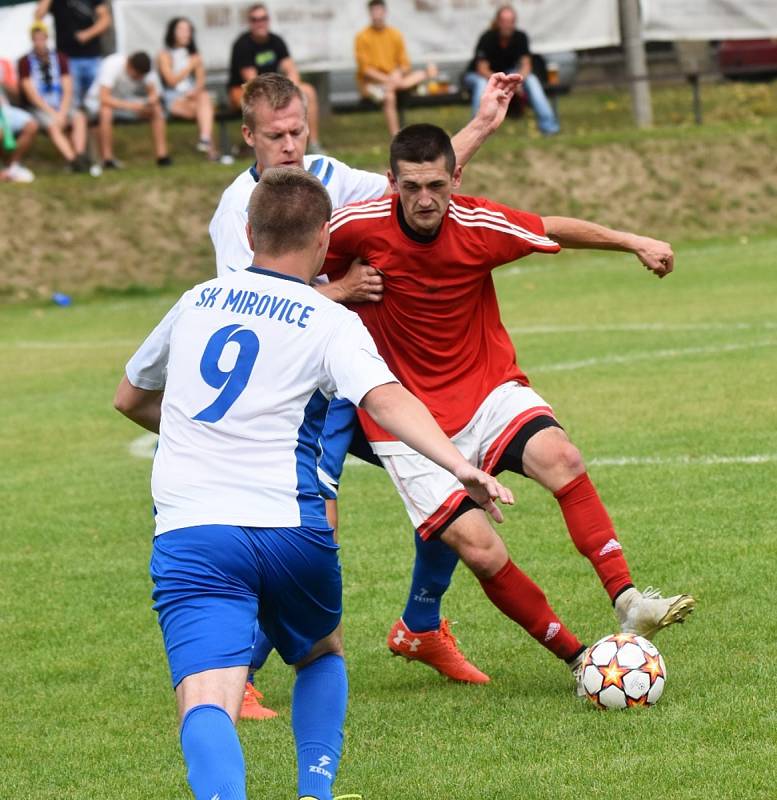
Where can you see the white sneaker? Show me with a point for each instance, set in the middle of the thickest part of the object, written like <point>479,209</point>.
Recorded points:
<point>18,174</point>
<point>376,92</point>
<point>646,613</point>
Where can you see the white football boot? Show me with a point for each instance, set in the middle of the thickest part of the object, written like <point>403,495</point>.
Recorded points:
<point>646,613</point>
<point>577,672</point>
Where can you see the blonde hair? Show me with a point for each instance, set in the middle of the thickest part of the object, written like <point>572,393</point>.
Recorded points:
<point>272,88</point>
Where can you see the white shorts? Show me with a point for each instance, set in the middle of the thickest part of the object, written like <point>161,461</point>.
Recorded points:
<point>44,118</point>
<point>430,493</point>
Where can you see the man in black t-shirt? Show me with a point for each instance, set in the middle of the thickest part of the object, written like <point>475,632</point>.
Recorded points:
<point>503,48</point>
<point>79,25</point>
<point>259,51</point>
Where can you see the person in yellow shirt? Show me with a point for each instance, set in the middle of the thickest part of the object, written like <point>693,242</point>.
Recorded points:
<point>383,68</point>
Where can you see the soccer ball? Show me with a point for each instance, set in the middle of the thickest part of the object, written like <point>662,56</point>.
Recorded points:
<point>623,670</point>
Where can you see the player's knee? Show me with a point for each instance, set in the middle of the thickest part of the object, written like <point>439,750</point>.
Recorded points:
<point>332,644</point>
<point>484,557</point>
<point>570,460</point>
<point>550,457</point>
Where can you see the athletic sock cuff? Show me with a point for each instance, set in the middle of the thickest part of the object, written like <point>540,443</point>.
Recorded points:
<point>202,707</point>
<point>504,570</point>
<point>571,486</point>
<point>620,591</point>
<point>579,652</point>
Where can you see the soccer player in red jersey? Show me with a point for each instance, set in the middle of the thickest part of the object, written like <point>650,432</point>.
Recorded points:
<point>438,327</point>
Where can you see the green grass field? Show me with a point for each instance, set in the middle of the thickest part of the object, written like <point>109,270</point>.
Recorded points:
<point>668,388</point>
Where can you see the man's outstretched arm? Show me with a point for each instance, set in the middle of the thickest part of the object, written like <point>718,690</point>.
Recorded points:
<point>406,417</point>
<point>657,256</point>
<point>493,107</point>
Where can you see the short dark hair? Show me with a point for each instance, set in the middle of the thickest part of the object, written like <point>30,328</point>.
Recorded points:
<point>140,62</point>
<point>376,3</point>
<point>170,34</point>
<point>420,143</point>
<point>286,210</point>
<point>272,88</point>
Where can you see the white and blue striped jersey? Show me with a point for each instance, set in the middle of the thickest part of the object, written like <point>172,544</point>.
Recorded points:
<point>248,363</point>
<point>228,226</point>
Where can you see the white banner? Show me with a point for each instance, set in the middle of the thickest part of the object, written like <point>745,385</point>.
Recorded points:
<point>15,24</point>
<point>670,20</point>
<point>320,33</point>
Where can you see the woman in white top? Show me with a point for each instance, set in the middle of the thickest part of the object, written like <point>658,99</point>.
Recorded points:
<point>183,76</point>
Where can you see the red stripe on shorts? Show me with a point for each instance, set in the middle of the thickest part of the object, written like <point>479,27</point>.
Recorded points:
<point>426,529</point>
<point>499,444</point>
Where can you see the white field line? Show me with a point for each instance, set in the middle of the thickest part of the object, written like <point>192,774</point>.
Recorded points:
<point>522,330</point>
<point>651,461</point>
<point>640,327</point>
<point>681,461</point>
<point>145,445</point>
<point>648,355</point>
<point>520,270</point>
<point>32,344</point>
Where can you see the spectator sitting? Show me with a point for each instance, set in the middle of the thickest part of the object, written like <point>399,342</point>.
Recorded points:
<point>503,48</point>
<point>259,51</point>
<point>126,88</point>
<point>17,128</point>
<point>47,89</point>
<point>383,68</point>
<point>79,25</point>
<point>183,76</point>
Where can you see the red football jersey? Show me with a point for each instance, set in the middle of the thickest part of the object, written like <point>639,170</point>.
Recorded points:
<point>438,324</point>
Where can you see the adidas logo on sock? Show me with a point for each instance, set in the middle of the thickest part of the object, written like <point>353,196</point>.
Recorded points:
<point>552,630</point>
<point>610,547</point>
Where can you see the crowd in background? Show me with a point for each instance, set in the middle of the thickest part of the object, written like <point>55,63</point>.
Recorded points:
<point>65,90</point>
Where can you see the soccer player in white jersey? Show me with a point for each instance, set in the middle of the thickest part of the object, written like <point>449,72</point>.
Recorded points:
<point>274,125</point>
<point>237,378</point>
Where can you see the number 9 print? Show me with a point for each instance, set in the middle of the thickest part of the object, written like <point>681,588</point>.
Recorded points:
<point>233,382</point>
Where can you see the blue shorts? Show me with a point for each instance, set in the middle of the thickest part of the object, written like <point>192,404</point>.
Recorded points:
<point>212,582</point>
<point>334,441</point>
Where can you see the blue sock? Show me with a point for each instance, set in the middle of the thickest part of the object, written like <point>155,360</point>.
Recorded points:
<point>317,717</point>
<point>213,755</point>
<point>434,565</point>
<point>262,649</point>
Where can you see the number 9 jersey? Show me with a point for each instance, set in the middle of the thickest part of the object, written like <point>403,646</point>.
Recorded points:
<point>248,363</point>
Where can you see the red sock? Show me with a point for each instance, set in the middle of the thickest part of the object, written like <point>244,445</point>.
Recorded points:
<point>592,532</point>
<point>517,596</point>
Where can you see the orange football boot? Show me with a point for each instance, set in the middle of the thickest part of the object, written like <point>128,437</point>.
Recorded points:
<point>438,649</point>
<point>252,707</point>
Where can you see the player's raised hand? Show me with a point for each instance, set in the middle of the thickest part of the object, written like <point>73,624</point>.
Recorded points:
<point>361,284</point>
<point>496,98</point>
<point>657,256</point>
<point>485,489</point>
